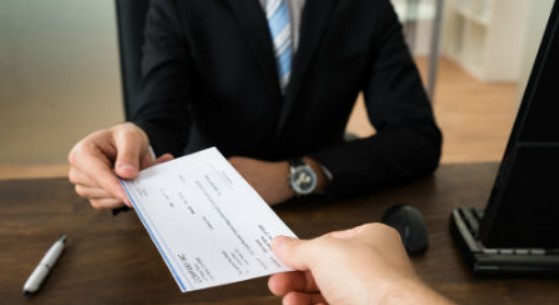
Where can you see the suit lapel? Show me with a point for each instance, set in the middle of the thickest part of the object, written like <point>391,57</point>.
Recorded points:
<point>253,21</point>
<point>314,18</point>
<point>255,25</point>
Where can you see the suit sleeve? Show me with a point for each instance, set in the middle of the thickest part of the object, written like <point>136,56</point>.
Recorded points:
<point>166,64</point>
<point>407,144</point>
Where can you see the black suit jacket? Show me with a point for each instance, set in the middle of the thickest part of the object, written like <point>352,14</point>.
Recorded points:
<point>210,79</point>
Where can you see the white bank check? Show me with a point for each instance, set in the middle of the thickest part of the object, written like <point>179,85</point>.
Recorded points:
<point>209,225</point>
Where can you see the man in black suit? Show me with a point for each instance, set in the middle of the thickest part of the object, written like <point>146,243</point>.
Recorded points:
<point>210,78</point>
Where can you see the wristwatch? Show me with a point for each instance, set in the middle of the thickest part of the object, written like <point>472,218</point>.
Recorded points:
<point>302,177</point>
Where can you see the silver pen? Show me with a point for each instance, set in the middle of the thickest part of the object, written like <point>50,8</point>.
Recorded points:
<point>43,268</point>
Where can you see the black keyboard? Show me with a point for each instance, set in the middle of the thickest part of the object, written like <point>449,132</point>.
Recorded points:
<point>465,224</point>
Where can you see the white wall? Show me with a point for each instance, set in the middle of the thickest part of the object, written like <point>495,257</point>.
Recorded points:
<point>59,76</point>
<point>423,19</point>
<point>539,13</point>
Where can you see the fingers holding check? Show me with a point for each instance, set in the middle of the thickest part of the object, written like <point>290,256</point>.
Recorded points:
<point>91,170</point>
<point>101,158</point>
<point>98,197</point>
<point>356,266</point>
<point>284,283</point>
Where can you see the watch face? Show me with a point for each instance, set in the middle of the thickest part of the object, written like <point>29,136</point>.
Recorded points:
<point>303,180</point>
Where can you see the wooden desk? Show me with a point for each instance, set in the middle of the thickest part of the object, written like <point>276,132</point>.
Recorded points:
<point>111,260</point>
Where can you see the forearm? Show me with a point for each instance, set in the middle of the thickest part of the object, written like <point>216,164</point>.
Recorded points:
<point>391,157</point>
<point>408,142</point>
<point>161,105</point>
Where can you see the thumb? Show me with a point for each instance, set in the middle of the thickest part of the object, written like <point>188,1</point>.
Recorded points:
<point>129,148</point>
<point>148,160</point>
<point>292,252</point>
<point>164,158</point>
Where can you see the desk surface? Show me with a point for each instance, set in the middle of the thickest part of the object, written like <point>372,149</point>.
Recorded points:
<point>111,260</point>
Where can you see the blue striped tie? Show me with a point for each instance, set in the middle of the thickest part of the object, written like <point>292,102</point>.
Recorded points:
<point>277,13</point>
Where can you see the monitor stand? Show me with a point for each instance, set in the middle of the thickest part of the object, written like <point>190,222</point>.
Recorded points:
<point>464,224</point>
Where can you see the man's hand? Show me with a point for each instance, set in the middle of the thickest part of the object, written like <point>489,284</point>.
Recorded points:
<point>364,265</point>
<point>269,179</point>
<point>100,158</point>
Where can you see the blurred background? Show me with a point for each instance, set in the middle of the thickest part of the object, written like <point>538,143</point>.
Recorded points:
<point>60,74</point>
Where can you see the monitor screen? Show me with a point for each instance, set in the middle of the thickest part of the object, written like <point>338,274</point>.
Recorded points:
<point>523,209</point>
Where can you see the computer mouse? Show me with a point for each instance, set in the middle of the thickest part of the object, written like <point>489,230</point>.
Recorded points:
<point>409,222</point>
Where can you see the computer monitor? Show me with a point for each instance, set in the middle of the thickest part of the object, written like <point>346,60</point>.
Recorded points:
<point>518,231</point>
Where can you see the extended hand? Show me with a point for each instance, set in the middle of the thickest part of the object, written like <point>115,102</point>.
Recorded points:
<point>98,159</point>
<point>364,265</point>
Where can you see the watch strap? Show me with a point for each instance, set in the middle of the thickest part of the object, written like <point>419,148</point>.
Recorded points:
<point>296,162</point>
